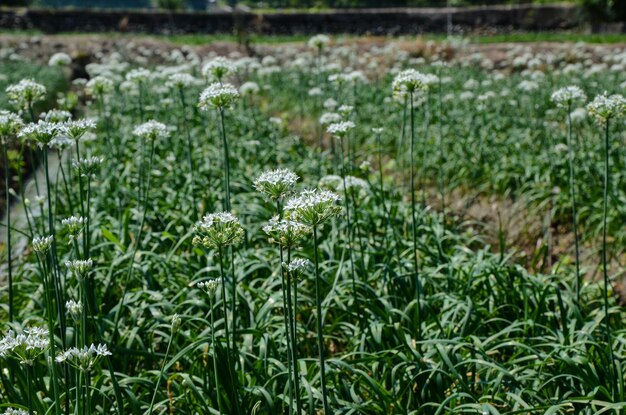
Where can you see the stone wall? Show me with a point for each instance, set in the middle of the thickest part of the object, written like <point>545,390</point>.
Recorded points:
<point>491,19</point>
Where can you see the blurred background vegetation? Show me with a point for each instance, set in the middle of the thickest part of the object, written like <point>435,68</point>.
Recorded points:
<point>599,10</point>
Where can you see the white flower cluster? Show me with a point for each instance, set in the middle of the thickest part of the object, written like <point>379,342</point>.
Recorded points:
<point>313,207</point>
<point>249,89</point>
<point>566,96</point>
<point>25,93</point>
<point>42,132</point>
<point>73,225</point>
<point>318,42</point>
<point>42,244</point>
<point>12,411</point>
<point>59,59</point>
<point>56,116</point>
<point>299,265</point>
<point>74,309</point>
<point>180,80</point>
<point>25,346</point>
<point>84,358</point>
<point>605,107</point>
<point>138,76</point>
<point>340,129</point>
<point>10,123</point>
<point>79,267</point>
<point>217,68</point>
<point>218,230</point>
<point>285,232</point>
<point>88,165</point>
<point>210,286</point>
<point>218,95</point>
<point>328,118</point>
<point>409,82</point>
<point>151,130</point>
<point>99,85</point>
<point>276,183</point>
<point>77,129</point>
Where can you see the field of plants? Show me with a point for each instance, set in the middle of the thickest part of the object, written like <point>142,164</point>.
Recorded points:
<point>319,228</point>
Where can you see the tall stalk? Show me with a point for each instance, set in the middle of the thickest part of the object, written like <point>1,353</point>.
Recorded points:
<point>320,334</point>
<point>129,272</point>
<point>167,352</point>
<point>414,218</point>
<point>573,196</point>
<point>7,206</point>
<point>226,164</point>
<point>217,382</point>
<point>292,312</point>
<point>349,227</point>
<point>189,153</point>
<point>230,362</point>
<point>605,273</point>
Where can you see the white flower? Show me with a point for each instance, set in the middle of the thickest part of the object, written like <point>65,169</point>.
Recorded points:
<point>99,85</point>
<point>210,286</point>
<point>42,244</point>
<point>217,68</point>
<point>218,230</point>
<point>218,96</point>
<point>276,183</point>
<point>313,207</point>
<point>565,97</point>
<point>73,225</point>
<point>79,267</point>
<point>249,89</point>
<point>10,124</point>
<point>77,129</point>
<point>340,129</point>
<point>528,86</point>
<point>25,346</point>
<point>25,93</point>
<point>409,81</point>
<point>299,265</point>
<point>59,59</point>
<point>41,133</point>
<point>318,42</point>
<point>151,130</point>
<point>329,118</point>
<point>74,309</point>
<point>56,116</point>
<point>88,165</point>
<point>605,107</point>
<point>285,232</point>
<point>181,80</point>
<point>12,411</point>
<point>84,358</point>
<point>138,76</point>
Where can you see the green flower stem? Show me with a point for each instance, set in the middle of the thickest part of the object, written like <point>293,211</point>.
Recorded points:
<point>605,273</point>
<point>414,219</point>
<point>30,389</point>
<point>292,312</point>
<point>189,153</point>
<point>66,184</point>
<point>286,315</point>
<point>217,381</point>
<point>349,228</point>
<point>7,195</point>
<point>320,334</point>
<point>129,272</point>
<point>230,354</point>
<point>572,185</point>
<point>156,388</point>
<point>226,164</point>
